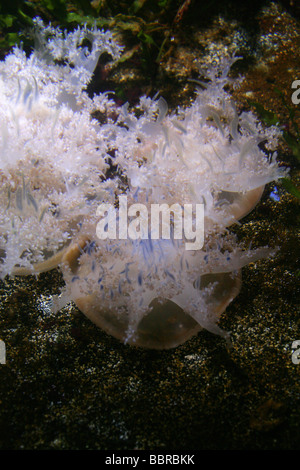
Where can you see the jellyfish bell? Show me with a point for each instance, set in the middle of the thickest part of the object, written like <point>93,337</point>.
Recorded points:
<point>129,302</point>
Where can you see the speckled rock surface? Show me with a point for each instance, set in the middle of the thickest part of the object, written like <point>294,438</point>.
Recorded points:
<point>68,385</point>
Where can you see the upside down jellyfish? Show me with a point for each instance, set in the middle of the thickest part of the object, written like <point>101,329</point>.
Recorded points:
<point>55,162</point>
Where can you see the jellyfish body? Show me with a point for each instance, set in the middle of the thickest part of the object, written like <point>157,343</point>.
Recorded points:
<point>56,165</point>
